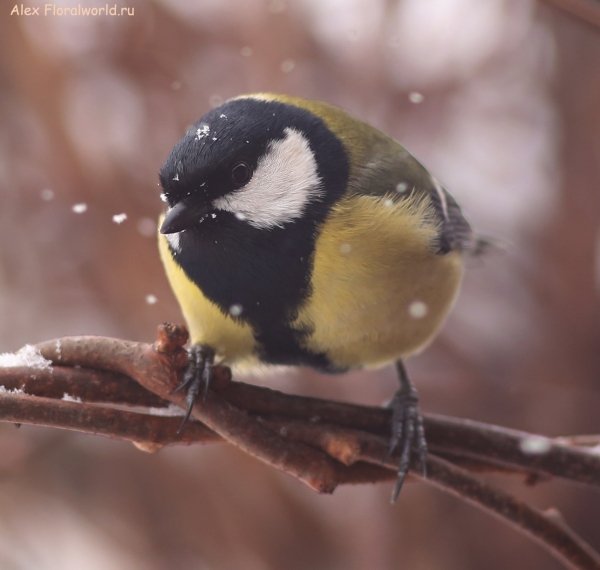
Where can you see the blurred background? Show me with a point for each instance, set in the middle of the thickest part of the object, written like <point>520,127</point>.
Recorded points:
<point>500,99</point>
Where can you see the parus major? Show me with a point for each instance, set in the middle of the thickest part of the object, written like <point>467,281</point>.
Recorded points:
<point>298,235</point>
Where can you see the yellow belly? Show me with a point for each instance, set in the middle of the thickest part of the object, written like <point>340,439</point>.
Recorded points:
<point>379,291</point>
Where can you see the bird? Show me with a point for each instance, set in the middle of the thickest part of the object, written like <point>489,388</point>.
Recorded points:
<point>296,234</point>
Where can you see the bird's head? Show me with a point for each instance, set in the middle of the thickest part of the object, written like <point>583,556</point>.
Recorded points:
<point>261,161</point>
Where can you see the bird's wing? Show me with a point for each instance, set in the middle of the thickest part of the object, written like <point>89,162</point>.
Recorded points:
<point>393,172</point>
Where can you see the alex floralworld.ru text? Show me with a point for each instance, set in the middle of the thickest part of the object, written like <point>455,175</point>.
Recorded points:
<point>79,10</point>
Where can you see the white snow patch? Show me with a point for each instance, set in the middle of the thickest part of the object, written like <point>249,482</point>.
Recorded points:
<point>202,132</point>
<point>535,445</point>
<point>119,218</point>
<point>68,398</point>
<point>170,411</point>
<point>417,309</point>
<point>146,226</point>
<point>26,356</point>
<point>288,65</point>
<point>236,310</point>
<point>4,390</point>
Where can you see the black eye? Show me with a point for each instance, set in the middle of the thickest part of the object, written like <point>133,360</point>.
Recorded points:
<point>240,173</point>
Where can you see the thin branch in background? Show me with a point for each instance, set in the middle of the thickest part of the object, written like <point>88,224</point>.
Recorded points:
<point>587,11</point>
<point>546,529</point>
<point>564,545</point>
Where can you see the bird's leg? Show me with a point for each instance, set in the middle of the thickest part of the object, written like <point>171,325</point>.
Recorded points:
<point>199,371</point>
<point>407,427</point>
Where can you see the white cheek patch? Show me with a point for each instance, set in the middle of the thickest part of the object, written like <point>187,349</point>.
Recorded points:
<point>284,182</point>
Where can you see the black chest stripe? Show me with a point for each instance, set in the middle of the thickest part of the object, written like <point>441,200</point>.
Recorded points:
<point>264,274</point>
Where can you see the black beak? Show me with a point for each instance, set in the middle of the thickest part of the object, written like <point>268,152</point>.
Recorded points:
<point>183,216</point>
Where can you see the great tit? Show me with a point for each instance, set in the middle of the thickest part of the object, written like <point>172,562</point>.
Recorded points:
<point>298,235</point>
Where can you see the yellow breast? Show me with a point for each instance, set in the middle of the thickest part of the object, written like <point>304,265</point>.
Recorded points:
<point>379,292</point>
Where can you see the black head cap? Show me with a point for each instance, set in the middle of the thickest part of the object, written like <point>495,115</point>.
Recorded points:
<point>219,154</point>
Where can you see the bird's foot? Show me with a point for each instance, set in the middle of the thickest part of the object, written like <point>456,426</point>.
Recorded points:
<point>407,428</point>
<point>199,372</point>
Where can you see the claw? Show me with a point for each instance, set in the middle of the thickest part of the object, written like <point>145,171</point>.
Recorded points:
<point>190,399</point>
<point>397,426</point>
<point>206,376</point>
<point>186,382</point>
<point>407,428</point>
<point>198,372</point>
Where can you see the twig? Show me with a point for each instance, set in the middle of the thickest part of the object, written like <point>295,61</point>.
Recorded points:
<point>87,384</point>
<point>504,445</point>
<point>549,534</point>
<point>579,440</point>
<point>554,536</point>
<point>156,367</point>
<point>151,432</point>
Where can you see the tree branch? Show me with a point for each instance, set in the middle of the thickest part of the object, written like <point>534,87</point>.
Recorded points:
<point>482,446</point>
<point>126,389</point>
